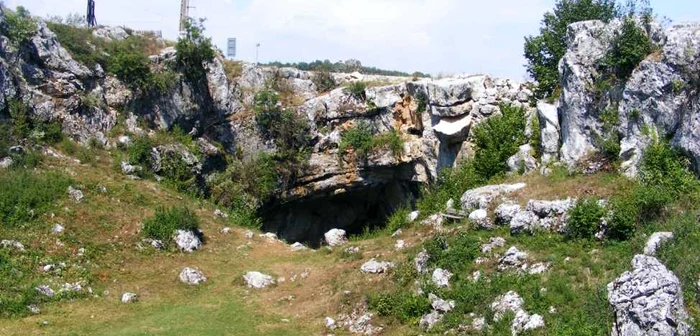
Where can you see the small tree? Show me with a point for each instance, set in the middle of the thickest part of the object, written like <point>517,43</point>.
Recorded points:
<point>193,50</point>
<point>544,51</point>
<point>19,26</point>
<point>498,138</point>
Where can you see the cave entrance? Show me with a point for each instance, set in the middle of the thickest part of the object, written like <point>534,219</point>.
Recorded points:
<point>354,211</point>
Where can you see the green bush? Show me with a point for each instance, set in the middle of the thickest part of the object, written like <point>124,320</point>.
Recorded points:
<point>496,139</point>
<point>398,220</point>
<point>624,218</point>
<point>5,138</point>
<point>360,138</point>
<point>165,222</point>
<point>391,140</point>
<point>324,81</point>
<point>451,184</point>
<point>245,185</point>
<point>357,89</point>
<point>665,167</point>
<point>536,138</point>
<point>86,155</point>
<point>179,175</point>
<point>21,118</point>
<point>25,196</point>
<point>193,51</point>
<point>422,100</point>
<point>82,45</point>
<point>630,46</point>
<point>544,51</point>
<point>453,253</point>
<point>140,152</point>
<point>18,26</point>
<point>584,219</point>
<point>403,305</point>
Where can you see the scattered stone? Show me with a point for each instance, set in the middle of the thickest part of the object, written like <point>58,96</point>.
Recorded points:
<point>220,214</point>
<point>330,323</point>
<point>648,300</point>
<point>552,310</point>
<point>481,260</point>
<point>655,241</point>
<point>258,280</point>
<point>129,297</point>
<point>157,244</point>
<point>352,250</point>
<point>523,321</point>
<point>57,228</point>
<point>6,162</point>
<point>191,276</point>
<point>359,322</point>
<point>524,221</point>
<point>249,234</point>
<point>129,169</point>
<point>435,221</point>
<point>538,268</point>
<point>187,241</point>
<point>296,247</point>
<point>481,198</point>
<point>522,161</point>
<point>6,244</point>
<point>441,277</point>
<point>225,230</point>
<point>511,259</point>
<point>494,242</point>
<point>481,218</point>
<point>335,237</point>
<point>34,309</point>
<point>45,290</point>
<point>450,206</point>
<point>440,304</point>
<point>545,209</point>
<point>397,233</point>
<point>124,140</point>
<point>269,236</point>
<point>375,267</point>
<point>476,276</point>
<point>75,194</point>
<point>47,268</point>
<point>478,323</point>
<point>421,262</point>
<point>429,320</point>
<point>505,212</point>
<point>413,216</point>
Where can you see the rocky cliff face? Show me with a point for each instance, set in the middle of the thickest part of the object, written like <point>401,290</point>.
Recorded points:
<point>659,98</point>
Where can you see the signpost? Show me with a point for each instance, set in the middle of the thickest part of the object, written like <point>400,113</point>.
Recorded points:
<point>231,48</point>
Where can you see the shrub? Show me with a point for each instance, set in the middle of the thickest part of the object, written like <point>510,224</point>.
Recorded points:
<point>357,89</point>
<point>422,100</point>
<point>360,138</point>
<point>18,26</point>
<point>21,118</point>
<point>544,51</point>
<point>52,131</point>
<point>140,152</point>
<point>246,184</point>
<point>233,69</point>
<point>5,138</point>
<point>130,63</point>
<point>392,140</point>
<point>193,51</point>
<point>403,305</point>
<point>165,222</point>
<point>496,139</point>
<point>451,184</point>
<point>667,168</point>
<point>86,155</point>
<point>324,81</point>
<point>584,219</point>
<point>25,196</point>
<point>536,138</point>
<point>179,175</point>
<point>453,253</point>
<point>398,220</point>
<point>82,45</point>
<point>630,46</point>
<point>624,216</point>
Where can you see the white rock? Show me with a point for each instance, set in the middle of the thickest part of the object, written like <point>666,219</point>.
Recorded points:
<point>330,323</point>
<point>421,262</point>
<point>352,250</point>
<point>506,211</point>
<point>45,290</point>
<point>375,267</point>
<point>129,297</point>
<point>296,247</point>
<point>191,276</point>
<point>249,234</point>
<point>400,244</point>
<point>494,242</point>
<point>258,280</point>
<point>523,159</point>
<point>481,218</point>
<point>435,221</point>
<point>538,268</point>
<point>511,259</point>
<point>397,233</point>
<point>549,131</point>
<point>269,236</point>
<point>550,208</point>
<point>413,216</point>
<point>220,214</point>
<point>6,162</point>
<point>5,243</point>
<point>655,241</point>
<point>34,309</point>
<point>187,241</point>
<point>75,194</point>
<point>441,277</point>
<point>440,304</point>
<point>476,276</point>
<point>335,237</point>
<point>648,298</point>
<point>57,228</point>
<point>524,221</point>
<point>129,169</point>
<point>429,320</point>
<point>225,230</point>
<point>481,198</point>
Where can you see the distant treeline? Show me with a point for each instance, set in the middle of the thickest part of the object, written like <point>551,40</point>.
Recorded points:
<point>348,66</point>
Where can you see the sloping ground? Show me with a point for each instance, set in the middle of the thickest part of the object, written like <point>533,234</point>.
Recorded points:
<point>317,283</point>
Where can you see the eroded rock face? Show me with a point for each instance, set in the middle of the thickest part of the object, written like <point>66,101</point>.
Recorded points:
<point>648,301</point>
<point>548,117</point>
<point>523,161</point>
<point>481,198</point>
<point>655,241</point>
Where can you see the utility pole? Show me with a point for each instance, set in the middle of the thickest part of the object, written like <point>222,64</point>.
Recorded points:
<point>90,17</point>
<point>257,52</point>
<point>184,13</point>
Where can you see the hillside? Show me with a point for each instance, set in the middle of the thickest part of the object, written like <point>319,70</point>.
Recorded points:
<point>153,187</point>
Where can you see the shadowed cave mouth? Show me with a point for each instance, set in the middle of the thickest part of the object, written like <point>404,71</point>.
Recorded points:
<point>354,211</point>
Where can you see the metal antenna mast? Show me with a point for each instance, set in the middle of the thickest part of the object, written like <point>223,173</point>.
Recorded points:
<point>91,20</point>
<point>184,13</point>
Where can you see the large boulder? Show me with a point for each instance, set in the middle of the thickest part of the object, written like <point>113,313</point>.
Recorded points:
<point>191,276</point>
<point>523,161</point>
<point>548,118</point>
<point>257,280</point>
<point>481,198</point>
<point>648,301</point>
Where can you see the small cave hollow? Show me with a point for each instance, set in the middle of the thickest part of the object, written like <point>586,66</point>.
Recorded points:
<point>357,210</point>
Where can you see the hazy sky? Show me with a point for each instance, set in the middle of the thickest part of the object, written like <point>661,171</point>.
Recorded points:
<point>434,36</point>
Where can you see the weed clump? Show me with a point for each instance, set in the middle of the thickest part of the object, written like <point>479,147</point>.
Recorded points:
<point>166,221</point>
<point>26,195</point>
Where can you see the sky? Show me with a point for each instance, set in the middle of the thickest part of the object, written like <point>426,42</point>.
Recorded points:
<point>432,36</point>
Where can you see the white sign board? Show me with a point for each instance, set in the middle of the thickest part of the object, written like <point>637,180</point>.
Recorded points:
<point>231,48</point>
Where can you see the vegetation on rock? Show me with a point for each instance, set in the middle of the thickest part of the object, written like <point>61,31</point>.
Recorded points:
<point>166,221</point>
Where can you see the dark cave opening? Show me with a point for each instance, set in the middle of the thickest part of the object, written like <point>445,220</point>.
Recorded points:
<point>354,211</point>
